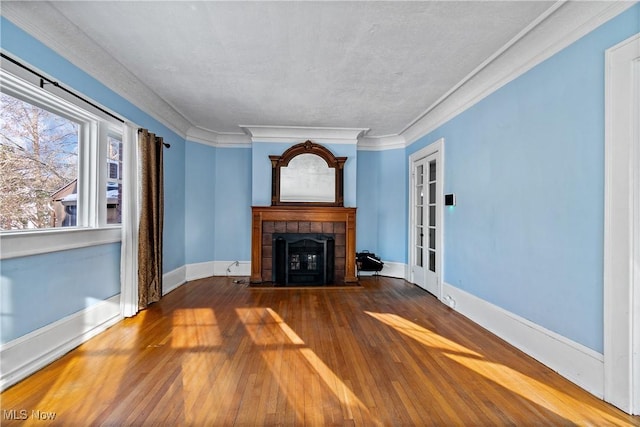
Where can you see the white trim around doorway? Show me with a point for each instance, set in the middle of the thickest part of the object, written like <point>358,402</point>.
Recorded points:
<point>436,147</point>
<point>622,226</point>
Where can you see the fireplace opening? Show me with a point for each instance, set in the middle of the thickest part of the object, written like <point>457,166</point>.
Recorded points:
<point>303,259</point>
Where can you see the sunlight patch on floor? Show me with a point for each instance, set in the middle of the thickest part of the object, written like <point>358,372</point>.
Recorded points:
<point>84,372</point>
<point>195,328</point>
<point>302,374</point>
<point>286,329</point>
<point>516,382</point>
<point>420,333</point>
<point>528,388</point>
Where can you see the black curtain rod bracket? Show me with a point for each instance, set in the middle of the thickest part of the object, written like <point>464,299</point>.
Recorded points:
<point>43,82</point>
<point>166,144</point>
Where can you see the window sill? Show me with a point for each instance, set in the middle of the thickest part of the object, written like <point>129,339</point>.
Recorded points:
<point>15,244</point>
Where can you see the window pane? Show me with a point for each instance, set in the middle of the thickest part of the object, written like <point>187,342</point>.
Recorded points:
<point>432,171</point>
<point>114,180</point>
<point>38,167</point>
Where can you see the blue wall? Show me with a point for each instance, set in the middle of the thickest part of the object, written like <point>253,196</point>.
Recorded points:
<point>200,202</point>
<point>174,202</point>
<point>42,289</point>
<point>233,204</point>
<point>527,167</point>
<point>382,204</point>
<point>526,164</point>
<point>217,204</point>
<point>261,167</point>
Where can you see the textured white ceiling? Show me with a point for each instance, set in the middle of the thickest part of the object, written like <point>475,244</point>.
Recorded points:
<point>376,65</point>
<point>220,68</point>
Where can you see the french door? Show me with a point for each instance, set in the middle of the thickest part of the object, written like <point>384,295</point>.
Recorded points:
<point>426,219</point>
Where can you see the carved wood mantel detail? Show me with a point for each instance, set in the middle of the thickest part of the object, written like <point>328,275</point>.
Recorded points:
<point>308,147</point>
<point>297,216</point>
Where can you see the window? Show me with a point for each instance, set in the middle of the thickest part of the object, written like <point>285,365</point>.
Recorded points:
<point>114,179</point>
<point>39,164</point>
<point>60,167</point>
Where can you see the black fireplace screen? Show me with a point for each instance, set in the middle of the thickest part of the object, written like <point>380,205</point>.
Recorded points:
<point>303,259</point>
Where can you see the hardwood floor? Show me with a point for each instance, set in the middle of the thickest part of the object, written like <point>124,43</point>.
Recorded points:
<point>214,352</point>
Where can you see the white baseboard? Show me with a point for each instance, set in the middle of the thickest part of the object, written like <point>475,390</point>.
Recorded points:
<point>579,364</point>
<point>200,270</point>
<point>390,269</point>
<point>173,279</point>
<point>25,355</point>
<point>218,268</point>
<point>242,268</point>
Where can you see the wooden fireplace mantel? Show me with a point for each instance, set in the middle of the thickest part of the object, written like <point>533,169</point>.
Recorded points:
<point>312,214</point>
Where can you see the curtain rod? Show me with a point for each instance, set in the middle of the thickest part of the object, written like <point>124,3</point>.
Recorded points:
<point>44,79</point>
<point>166,144</point>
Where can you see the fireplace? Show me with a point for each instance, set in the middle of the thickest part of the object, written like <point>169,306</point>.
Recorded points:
<point>334,225</point>
<point>303,259</point>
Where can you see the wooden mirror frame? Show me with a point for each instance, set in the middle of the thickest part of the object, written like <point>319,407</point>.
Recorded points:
<point>307,147</point>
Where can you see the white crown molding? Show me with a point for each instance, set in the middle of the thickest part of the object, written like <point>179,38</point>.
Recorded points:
<point>547,37</point>
<point>561,25</point>
<point>290,134</point>
<point>44,22</point>
<point>381,143</point>
<point>217,139</point>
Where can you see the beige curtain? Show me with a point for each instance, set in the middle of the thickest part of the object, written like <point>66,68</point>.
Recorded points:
<point>151,219</point>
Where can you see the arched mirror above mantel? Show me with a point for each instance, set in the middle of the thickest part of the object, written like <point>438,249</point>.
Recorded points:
<point>307,174</point>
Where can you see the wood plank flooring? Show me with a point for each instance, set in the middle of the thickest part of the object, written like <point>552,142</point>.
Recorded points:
<point>214,352</point>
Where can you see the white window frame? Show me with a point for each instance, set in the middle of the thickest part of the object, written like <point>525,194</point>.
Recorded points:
<point>92,228</point>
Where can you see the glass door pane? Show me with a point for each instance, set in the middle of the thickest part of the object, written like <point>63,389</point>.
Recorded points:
<point>432,215</point>
<point>419,214</point>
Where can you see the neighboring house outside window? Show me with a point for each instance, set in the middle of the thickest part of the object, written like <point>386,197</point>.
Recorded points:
<point>60,169</point>
<point>64,212</point>
<point>38,154</point>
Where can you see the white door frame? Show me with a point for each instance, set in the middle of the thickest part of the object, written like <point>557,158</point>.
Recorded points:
<point>437,148</point>
<point>622,226</point>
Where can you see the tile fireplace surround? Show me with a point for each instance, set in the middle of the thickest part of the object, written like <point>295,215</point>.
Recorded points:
<point>267,220</point>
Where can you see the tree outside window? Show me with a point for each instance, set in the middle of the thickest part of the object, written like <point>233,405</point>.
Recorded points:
<point>38,166</point>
